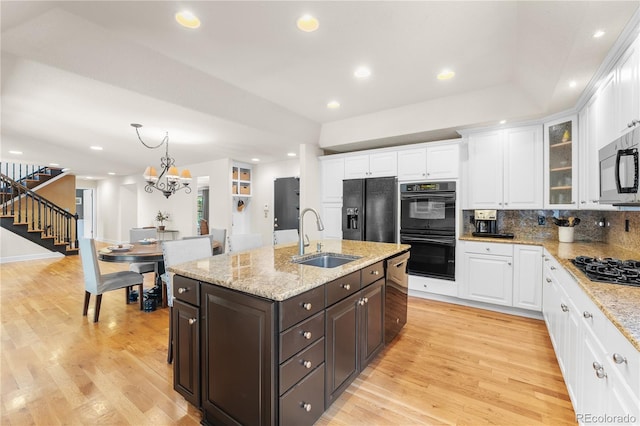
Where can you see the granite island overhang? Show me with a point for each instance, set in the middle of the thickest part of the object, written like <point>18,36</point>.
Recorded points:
<point>269,272</point>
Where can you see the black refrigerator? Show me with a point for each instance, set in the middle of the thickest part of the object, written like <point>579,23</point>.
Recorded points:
<point>369,209</point>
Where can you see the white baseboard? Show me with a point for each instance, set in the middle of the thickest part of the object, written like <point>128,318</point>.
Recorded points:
<point>473,304</point>
<point>39,256</point>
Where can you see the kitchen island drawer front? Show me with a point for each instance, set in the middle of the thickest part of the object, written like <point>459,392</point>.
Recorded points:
<point>372,273</point>
<point>297,338</point>
<point>342,287</point>
<point>300,365</point>
<point>300,307</point>
<point>498,249</point>
<point>304,403</point>
<point>186,289</point>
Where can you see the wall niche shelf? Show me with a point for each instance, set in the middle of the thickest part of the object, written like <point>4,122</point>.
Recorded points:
<point>240,181</point>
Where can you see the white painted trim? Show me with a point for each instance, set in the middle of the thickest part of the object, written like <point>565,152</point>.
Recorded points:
<point>25,257</point>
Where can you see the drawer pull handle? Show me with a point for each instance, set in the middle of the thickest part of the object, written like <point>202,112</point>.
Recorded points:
<point>307,306</point>
<point>306,406</point>
<point>307,364</point>
<point>619,359</point>
<point>192,321</point>
<point>346,286</point>
<point>306,335</point>
<point>375,272</point>
<point>182,290</point>
<point>587,314</point>
<point>564,307</point>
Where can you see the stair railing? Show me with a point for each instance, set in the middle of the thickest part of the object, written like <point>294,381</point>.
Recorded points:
<point>28,207</point>
<point>21,173</point>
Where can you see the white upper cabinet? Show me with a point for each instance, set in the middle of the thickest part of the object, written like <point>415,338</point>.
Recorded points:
<point>627,89</point>
<point>560,160</point>
<point>437,161</point>
<point>412,164</point>
<point>505,169</point>
<point>443,161</point>
<point>377,164</point>
<point>332,174</point>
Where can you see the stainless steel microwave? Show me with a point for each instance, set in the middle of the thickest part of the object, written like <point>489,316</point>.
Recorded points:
<point>619,171</point>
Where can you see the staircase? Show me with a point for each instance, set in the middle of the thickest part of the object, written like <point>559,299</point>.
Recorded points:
<point>25,213</point>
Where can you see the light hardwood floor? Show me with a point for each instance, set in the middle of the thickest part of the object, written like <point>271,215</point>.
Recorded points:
<point>450,365</point>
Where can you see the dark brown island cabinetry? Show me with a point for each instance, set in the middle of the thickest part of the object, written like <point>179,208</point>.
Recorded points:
<point>247,360</point>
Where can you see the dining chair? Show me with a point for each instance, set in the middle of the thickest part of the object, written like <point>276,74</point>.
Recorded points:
<point>135,235</point>
<point>96,283</point>
<point>283,236</point>
<point>180,251</point>
<point>219,235</point>
<point>240,242</point>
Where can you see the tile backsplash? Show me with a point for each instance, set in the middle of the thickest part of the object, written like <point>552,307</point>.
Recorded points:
<point>524,224</point>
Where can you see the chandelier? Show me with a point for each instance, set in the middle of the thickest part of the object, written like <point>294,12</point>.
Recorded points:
<point>169,181</point>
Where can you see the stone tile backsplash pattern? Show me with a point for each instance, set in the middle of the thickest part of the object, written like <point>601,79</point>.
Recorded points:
<point>524,224</point>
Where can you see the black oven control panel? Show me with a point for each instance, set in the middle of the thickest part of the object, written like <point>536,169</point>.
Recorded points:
<point>428,187</point>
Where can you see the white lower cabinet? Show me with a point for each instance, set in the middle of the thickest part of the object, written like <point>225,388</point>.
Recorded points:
<point>600,366</point>
<point>502,274</point>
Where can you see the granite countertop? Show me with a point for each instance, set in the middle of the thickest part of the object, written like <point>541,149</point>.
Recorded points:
<point>620,303</point>
<point>268,271</point>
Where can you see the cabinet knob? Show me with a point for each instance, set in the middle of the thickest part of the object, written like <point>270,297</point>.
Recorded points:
<point>306,306</point>
<point>307,364</point>
<point>509,263</point>
<point>192,321</point>
<point>376,272</point>
<point>546,259</point>
<point>599,370</point>
<point>488,249</point>
<point>361,302</point>
<point>182,290</point>
<point>306,406</point>
<point>587,314</point>
<point>583,202</point>
<point>619,359</point>
<point>307,335</point>
<point>506,204</point>
<point>553,268</point>
<point>365,300</point>
<point>346,286</point>
<point>549,280</point>
<point>564,307</point>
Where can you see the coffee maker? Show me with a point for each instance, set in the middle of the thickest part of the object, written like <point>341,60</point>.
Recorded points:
<point>485,221</point>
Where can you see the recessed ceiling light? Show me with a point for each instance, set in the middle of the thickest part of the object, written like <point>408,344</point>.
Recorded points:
<point>96,148</point>
<point>89,177</point>
<point>15,152</point>
<point>307,23</point>
<point>255,159</point>
<point>446,75</point>
<point>54,164</point>
<point>111,173</point>
<point>291,154</point>
<point>333,105</point>
<point>187,19</point>
<point>362,72</point>
<point>572,84</point>
<point>598,34</point>
<point>503,121</point>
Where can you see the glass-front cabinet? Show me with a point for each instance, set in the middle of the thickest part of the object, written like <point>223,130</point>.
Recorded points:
<point>561,160</point>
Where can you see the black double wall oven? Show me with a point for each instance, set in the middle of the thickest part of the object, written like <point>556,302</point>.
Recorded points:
<point>428,223</point>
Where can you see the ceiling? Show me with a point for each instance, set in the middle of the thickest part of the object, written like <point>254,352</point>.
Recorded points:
<point>249,84</point>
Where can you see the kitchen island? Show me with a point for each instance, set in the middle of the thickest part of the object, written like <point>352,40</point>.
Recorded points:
<point>261,340</point>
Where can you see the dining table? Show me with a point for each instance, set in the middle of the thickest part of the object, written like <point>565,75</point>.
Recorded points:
<point>142,251</point>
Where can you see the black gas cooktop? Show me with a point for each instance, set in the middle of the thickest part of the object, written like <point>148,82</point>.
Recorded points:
<point>609,270</point>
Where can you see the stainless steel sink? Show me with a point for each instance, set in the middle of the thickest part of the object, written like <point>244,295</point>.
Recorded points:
<point>324,260</point>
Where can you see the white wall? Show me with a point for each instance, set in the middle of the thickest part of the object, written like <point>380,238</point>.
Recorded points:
<point>310,187</point>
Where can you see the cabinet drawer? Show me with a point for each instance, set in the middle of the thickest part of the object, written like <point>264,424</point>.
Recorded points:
<point>300,365</point>
<point>372,273</point>
<point>302,306</point>
<point>186,289</point>
<point>297,338</point>
<point>488,248</point>
<point>342,287</point>
<point>304,403</point>
<point>624,358</point>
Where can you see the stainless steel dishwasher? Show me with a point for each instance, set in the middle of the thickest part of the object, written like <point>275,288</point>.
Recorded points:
<point>397,286</point>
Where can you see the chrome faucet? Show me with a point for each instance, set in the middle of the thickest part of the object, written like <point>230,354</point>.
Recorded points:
<point>301,244</point>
